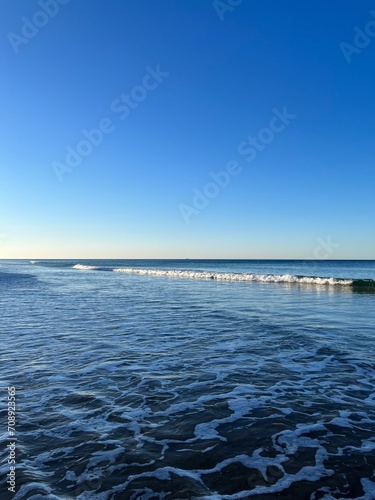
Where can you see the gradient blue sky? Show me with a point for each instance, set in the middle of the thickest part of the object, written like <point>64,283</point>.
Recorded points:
<point>316,178</point>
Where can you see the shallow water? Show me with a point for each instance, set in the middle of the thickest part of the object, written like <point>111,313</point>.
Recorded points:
<point>136,386</point>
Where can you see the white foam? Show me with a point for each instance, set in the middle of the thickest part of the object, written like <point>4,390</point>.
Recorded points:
<point>369,488</point>
<point>307,473</point>
<point>83,267</point>
<point>263,278</point>
<point>163,474</point>
<point>26,489</point>
<point>108,456</point>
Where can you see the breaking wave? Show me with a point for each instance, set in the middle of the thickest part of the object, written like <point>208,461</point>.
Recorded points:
<point>364,285</point>
<point>83,267</point>
<point>266,278</point>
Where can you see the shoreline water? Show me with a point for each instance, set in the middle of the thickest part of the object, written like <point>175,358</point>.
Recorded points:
<point>132,387</point>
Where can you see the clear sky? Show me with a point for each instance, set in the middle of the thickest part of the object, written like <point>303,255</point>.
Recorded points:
<point>279,95</point>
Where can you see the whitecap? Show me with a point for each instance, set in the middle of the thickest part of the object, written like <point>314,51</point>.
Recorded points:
<point>83,267</point>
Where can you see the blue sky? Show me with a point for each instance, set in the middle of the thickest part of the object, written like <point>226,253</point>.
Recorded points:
<point>217,74</point>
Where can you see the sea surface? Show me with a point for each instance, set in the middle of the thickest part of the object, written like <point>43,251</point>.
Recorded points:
<point>186,379</point>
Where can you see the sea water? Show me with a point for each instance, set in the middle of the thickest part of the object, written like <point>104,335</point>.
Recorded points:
<point>189,379</point>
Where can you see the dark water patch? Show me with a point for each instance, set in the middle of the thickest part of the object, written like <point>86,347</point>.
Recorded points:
<point>233,478</point>
<point>14,279</point>
<point>363,286</point>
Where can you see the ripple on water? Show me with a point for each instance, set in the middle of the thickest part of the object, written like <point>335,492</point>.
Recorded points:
<point>206,393</point>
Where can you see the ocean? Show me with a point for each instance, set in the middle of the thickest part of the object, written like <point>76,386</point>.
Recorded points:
<point>177,379</point>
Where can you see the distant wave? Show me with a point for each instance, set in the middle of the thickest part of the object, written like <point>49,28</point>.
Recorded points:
<point>365,285</point>
<point>86,267</point>
<point>34,261</point>
<point>83,267</point>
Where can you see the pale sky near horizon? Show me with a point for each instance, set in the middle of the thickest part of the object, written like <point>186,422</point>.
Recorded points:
<point>199,129</point>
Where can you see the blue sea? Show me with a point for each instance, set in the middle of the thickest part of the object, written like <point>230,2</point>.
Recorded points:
<point>189,379</point>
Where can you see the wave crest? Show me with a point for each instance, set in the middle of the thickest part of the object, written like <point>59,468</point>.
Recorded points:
<point>83,267</point>
<point>264,278</point>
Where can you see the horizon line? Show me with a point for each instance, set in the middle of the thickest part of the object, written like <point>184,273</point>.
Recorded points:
<point>180,259</point>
